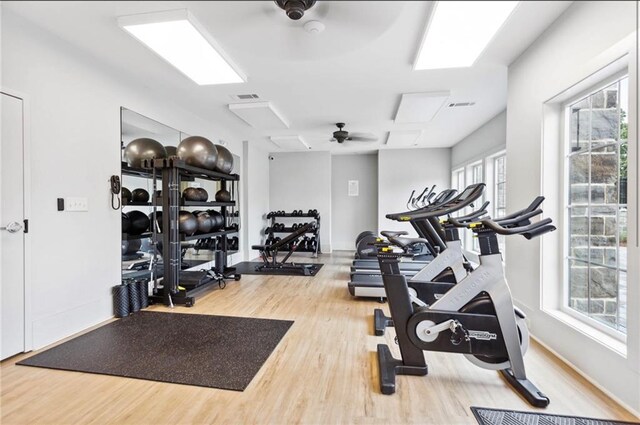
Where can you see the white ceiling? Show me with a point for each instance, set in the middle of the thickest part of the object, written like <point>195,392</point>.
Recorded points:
<point>354,72</point>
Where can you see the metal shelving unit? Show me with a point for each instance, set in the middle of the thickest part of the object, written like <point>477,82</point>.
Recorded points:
<point>170,172</point>
<point>270,231</point>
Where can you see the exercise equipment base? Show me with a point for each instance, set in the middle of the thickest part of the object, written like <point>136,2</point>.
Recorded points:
<point>526,389</point>
<point>390,367</point>
<point>381,322</point>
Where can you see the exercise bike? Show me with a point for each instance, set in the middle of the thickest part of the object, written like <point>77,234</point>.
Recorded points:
<point>431,287</point>
<point>476,317</point>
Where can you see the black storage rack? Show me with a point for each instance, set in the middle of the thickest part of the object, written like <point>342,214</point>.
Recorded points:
<point>269,231</point>
<point>171,172</point>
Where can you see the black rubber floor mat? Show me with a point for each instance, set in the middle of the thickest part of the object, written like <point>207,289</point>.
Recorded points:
<point>193,349</point>
<point>249,267</point>
<point>486,416</point>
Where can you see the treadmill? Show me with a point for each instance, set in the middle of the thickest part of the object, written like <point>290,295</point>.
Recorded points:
<point>426,236</point>
<point>434,231</point>
<point>370,284</point>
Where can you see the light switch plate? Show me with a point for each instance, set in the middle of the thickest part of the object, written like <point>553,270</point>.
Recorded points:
<point>76,204</point>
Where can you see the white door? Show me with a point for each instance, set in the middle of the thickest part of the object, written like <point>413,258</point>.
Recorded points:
<point>12,227</point>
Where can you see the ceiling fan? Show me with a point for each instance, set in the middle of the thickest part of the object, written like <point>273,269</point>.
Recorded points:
<point>341,135</point>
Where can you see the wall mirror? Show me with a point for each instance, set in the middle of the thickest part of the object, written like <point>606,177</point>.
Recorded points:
<point>141,259</point>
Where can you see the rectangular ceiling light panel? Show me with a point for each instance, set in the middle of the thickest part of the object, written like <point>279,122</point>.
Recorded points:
<point>404,138</point>
<point>420,107</point>
<point>459,31</point>
<point>179,39</point>
<point>260,115</point>
<point>291,143</point>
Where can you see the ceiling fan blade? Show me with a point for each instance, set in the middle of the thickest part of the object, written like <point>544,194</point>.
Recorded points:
<point>363,137</point>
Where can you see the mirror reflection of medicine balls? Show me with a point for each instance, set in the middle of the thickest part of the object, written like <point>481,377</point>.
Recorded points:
<point>171,151</point>
<point>126,223</point>
<point>158,216</point>
<point>139,195</point>
<point>187,223</point>
<point>125,246</point>
<point>126,193</point>
<point>224,163</point>
<point>198,152</point>
<point>144,148</point>
<point>223,196</point>
<point>139,222</point>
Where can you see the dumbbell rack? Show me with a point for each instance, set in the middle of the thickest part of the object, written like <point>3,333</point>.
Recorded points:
<point>171,172</point>
<point>270,231</point>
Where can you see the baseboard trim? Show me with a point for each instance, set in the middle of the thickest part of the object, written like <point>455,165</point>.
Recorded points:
<point>592,381</point>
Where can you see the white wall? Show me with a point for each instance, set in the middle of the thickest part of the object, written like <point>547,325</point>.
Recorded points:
<point>353,214</point>
<point>257,190</point>
<point>302,180</point>
<point>490,138</point>
<point>74,121</point>
<point>583,40</point>
<point>402,170</point>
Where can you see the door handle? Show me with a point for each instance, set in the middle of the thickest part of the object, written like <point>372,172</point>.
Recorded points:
<point>13,227</point>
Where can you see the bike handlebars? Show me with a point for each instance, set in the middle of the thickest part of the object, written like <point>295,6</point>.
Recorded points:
<point>529,231</point>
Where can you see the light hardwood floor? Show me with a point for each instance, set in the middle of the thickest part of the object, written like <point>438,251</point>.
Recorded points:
<point>324,371</point>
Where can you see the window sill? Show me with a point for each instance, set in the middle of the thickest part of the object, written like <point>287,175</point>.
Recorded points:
<point>600,337</point>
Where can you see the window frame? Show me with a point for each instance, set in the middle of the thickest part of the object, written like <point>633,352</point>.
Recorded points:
<point>565,204</point>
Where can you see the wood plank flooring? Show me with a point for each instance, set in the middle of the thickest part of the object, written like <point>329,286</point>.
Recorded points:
<point>323,372</point>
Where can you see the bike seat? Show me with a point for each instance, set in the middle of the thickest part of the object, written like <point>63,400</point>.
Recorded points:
<point>392,234</point>
<point>407,242</point>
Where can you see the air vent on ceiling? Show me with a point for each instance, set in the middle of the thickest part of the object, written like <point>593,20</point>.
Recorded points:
<point>244,96</point>
<point>461,104</point>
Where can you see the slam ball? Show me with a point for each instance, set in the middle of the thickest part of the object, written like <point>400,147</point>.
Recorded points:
<point>139,195</point>
<point>126,193</point>
<point>187,223</point>
<point>202,194</point>
<point>191,194</point>
<point>139,222</point>
<point>223,196</point>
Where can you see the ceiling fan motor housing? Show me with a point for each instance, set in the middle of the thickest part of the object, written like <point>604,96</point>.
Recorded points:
<point>295,8</point>
<point>340,135</point>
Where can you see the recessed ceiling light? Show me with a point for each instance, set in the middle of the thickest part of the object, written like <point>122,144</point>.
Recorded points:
<point>459,31</point>
<point>179,39</point>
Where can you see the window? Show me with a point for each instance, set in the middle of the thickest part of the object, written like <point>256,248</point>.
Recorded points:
<point>499,185</point>
<point>491,170</point>
<point>457,180</point>
<point>596,205</point>
<point>476,173</point>
<point>499,200</point>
